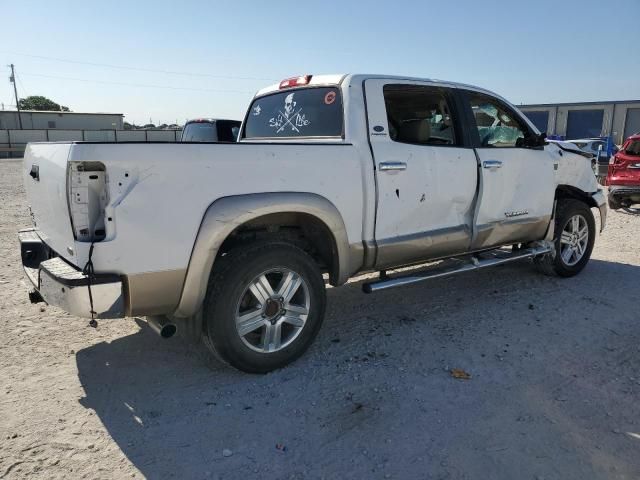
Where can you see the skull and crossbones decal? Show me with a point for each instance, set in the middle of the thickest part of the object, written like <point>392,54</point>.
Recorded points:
<point>290,118</point>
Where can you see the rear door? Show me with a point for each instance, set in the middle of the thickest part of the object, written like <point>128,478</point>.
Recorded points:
<point>426,173</point>
<point>517,183</point>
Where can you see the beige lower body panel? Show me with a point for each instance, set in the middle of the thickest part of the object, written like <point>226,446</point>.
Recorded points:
<point>154,293</point>
<point>409,249</point>
<point>510,231</point>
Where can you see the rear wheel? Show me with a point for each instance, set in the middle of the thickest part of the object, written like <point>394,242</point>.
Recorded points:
<point>575,230</point>
<point>264,306</point>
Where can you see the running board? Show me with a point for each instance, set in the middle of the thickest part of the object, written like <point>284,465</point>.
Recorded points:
<point>460,265</point>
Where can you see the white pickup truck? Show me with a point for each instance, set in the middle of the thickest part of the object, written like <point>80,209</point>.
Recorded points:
<point>333,174</point>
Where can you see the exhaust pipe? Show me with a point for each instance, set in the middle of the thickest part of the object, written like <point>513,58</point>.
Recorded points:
<point>162,326</point>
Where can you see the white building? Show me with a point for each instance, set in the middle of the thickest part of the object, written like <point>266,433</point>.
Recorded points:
<point>60,120</point>
<point>619,119</point>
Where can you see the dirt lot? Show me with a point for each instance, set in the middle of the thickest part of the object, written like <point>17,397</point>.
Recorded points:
<point>553,393</point>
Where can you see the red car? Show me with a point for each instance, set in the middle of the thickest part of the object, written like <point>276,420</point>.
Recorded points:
<point>623,178</point>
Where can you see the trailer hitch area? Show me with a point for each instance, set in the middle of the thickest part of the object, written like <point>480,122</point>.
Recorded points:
<point>35,297</point>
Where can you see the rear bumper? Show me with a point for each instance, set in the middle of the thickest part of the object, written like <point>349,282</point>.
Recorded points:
<point>624,190</point>
<point>624,194</point>
<point>601,202</point>
<point>64,286</point>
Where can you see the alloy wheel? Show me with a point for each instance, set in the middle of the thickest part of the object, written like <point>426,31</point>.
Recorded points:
<point>273,310</point>
<point>574,240</point>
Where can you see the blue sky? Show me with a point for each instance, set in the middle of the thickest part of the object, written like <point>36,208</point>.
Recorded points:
<point>542,51</point>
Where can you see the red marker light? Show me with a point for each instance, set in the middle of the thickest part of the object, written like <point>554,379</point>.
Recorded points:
<point>295,81</point>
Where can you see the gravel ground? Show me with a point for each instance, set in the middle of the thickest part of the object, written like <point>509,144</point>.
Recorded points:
<point>553,393</point>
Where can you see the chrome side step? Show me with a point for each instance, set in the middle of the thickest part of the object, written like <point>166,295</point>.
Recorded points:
<point>457,265</point>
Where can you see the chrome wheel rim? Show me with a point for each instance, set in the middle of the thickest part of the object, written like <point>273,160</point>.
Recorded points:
<point>272,310</point>
<point>574,240</point>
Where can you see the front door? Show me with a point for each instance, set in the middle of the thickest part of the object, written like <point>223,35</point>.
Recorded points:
<point>426,177</point>
<point>517,184</point>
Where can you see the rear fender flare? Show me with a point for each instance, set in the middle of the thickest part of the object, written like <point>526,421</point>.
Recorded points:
<point>226,214</point>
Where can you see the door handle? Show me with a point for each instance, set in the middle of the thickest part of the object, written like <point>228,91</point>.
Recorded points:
<point>388,166</point>
<point>492,164</point>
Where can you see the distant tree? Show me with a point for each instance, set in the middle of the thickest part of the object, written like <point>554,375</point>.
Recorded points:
<point>149,126</point>
<point>128,126</point>
<point>37,102</point>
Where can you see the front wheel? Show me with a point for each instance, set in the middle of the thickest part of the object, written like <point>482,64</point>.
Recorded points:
<point>575,231</point>
<point>264,306</point>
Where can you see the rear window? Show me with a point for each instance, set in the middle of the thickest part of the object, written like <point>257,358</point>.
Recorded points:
<point>308,112</point>
<point>199,132</point>
<point>633,148</point>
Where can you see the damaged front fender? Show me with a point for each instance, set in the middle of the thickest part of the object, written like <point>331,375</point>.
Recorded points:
<point>601,202</point>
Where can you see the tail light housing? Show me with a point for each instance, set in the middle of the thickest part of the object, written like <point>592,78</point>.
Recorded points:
<point>87,196</point>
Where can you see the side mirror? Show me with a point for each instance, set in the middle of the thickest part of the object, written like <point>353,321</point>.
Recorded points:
<point>536,140</point>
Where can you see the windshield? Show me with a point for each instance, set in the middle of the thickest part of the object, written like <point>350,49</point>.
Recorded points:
<point>308,112</point>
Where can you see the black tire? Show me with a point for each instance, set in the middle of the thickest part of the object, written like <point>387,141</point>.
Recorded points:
<point>613,204</point>
<point>229,281</point>
<point>554,264</point>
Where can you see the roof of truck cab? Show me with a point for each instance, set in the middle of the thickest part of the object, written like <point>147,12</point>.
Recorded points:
<point>337,79</point>
<point>210,120</point>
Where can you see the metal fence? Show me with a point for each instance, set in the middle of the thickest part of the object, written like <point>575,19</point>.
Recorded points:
<point>14,142</point>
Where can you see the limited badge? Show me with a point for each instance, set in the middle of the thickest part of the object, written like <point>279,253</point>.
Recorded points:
<point>329,98</point>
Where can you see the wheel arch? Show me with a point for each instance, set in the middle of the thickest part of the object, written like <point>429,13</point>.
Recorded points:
<point>228,216</point>
<point>592,200</point>
<point>569,191</point>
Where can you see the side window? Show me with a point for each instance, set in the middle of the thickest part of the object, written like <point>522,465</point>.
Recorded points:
<point>633,148</point>
<point>227,131</point>
<point>497,125</point>
<point>419,115</point>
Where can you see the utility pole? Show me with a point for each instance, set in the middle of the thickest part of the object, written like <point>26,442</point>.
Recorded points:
<point>12,79</point>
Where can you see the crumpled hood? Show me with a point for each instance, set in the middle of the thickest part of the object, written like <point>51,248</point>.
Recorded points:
<point>570,147</point>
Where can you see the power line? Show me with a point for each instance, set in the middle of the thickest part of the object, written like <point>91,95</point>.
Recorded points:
<point>137,84</point>
<point>139,69</point>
